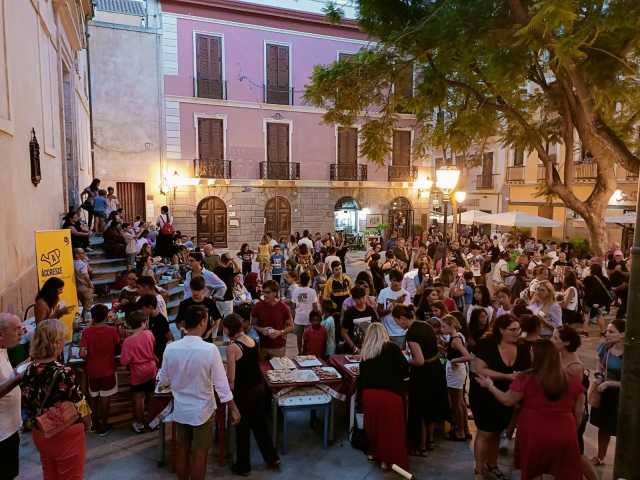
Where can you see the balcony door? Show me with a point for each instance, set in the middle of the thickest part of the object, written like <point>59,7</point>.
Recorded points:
<point>212,222</point>
<point>278,151</point>
<point>277,72</point>
<point>211,147</point>
<point>277,214</point>
<point>209,81</point>
<point>347,153</point>
<point>487,170</point>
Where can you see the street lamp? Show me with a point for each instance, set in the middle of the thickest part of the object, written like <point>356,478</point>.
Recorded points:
<point>446,180</point>
<point>423,185</point>
<point>460,197</point>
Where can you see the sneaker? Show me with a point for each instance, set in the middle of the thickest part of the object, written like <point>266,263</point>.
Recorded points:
<point>137,427</point>
<point>104,432</point>
<point>155,423</point>
<point>495,473</point>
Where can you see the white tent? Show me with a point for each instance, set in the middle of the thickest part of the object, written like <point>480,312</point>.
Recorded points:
<point>469,217</point>
<point>627,218</point>
<point>518,219</point>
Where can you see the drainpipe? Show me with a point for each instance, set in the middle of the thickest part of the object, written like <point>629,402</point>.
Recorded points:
<point>93,159</point>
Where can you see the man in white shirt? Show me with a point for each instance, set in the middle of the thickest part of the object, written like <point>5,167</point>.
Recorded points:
<point>10,418</point>
<point>305,300</point>
<point>305,240</point>
<point>331,257</point>
<point>216,286</point>
<point>193,369</point>
<point>388,298</point>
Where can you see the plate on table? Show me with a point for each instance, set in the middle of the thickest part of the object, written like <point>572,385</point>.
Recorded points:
<point>302,376</point>
<point>353,368</point>
<point>308,361</point>
<point>281,376</point>
<point>353,358</point>
<point>282,363</point>
<point>327,373</point>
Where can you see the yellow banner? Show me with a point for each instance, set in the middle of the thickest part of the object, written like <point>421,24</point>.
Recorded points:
<point>54,258</point>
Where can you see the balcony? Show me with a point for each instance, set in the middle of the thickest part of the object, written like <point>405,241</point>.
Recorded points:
<point>515,174</point>
<point>347,172</point>
<point>211,168</point>
<point>277,96</point>
<point>402,173</point>
<point>279,171</point>
<point>586,172</point>
<point>484,182</point>
<point>625,175</point>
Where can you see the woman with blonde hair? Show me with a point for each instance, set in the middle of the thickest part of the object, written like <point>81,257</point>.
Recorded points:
<point>380,389</point>
<point>456,369</point>
<point>46,383</point>
<point>544,305</point>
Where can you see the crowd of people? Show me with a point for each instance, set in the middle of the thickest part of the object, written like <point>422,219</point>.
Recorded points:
<point>479,327</point>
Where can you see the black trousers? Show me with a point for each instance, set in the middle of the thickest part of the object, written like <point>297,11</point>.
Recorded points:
<point>9,453</point>
<point>251,404</point>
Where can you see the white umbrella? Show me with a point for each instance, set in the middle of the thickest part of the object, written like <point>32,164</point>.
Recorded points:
<point>518,219</point>
<point>627,218</point>
<point>472,216</point>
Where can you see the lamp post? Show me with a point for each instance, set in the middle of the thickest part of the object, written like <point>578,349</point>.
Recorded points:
<point>446,180</point>
<point>460,196</point>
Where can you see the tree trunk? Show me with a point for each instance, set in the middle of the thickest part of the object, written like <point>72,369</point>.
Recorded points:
<point>598,234</point>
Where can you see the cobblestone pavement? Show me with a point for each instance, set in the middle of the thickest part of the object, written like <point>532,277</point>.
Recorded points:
<point>124,455</point>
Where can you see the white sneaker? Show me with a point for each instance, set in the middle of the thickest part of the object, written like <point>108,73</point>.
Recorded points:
<point>155,423</point>
<point>137,427</point>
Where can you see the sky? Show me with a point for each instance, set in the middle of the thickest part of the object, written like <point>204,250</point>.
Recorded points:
<point>314,6</point>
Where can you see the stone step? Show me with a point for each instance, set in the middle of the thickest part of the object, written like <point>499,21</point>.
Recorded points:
<point>107,261</point>
<point>96,239</point>
<point>173,305</point>
<point>109,270</point>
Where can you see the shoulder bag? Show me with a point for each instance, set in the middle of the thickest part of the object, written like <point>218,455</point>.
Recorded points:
<point>594,397</point>
<point>59,416</point>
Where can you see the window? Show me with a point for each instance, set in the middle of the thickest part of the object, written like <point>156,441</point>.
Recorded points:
<point>209,81</point>
<point>345,55</point>
<point>277,142</point>
<point>518,157</point>
<point>401,147</point>
<point>210,140</point>
<point>347,145</point>
<point>278,88</point>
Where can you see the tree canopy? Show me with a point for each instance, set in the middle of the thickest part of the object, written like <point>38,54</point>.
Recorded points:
<point>529,72</point>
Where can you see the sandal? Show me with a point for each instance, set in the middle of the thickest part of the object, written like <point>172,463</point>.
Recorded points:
<point>597,461</point>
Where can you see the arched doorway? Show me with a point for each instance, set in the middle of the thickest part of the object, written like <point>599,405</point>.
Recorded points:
<point>277,214</point>
<point>401,217</point>
<point>345,212</point>
<point>212,222</point>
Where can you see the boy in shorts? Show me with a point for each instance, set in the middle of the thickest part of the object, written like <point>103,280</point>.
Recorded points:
<point>98,346</point>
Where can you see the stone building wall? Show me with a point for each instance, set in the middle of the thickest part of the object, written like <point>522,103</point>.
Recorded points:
<point>312,207</point>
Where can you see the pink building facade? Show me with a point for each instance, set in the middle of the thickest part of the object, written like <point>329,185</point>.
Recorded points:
<point>244,154</point>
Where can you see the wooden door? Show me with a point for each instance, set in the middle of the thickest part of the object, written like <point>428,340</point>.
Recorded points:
<point>278,74</point>
<point>347,153</point>
<point>212,222</point>
<point>132,200</point>
<point>209,66</point>
<point>277,214</point>
<point>401,154</point>
<point>278,151</point>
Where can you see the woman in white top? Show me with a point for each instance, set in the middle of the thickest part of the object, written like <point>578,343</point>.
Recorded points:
<point>545,306</point>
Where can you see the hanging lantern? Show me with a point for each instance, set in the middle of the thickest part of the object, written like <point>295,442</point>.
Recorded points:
<point>34,155</point>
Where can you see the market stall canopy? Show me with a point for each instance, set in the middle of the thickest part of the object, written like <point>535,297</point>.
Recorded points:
<point>518,219</point>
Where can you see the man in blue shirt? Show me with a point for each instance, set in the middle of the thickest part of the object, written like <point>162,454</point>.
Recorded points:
<point>277,264</point>
<point>216,286</point>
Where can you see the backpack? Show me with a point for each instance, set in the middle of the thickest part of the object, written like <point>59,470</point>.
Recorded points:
<point>166,228</point>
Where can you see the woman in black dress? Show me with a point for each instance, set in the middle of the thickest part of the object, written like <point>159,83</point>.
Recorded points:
<point>245,379</point>
<point>499,355</point>
<point>428,396</point>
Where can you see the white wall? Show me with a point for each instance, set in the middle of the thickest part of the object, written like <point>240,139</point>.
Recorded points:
<point>32,44</point>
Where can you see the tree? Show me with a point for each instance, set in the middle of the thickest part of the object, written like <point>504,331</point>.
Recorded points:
<point>531,72</point>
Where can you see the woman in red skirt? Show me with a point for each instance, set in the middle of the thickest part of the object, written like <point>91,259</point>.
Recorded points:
<point>383,371</point>
<point>552,403</point>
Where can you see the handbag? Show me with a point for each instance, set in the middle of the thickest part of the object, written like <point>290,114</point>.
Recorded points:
<point>58,417</point>
<point>594,397</point>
